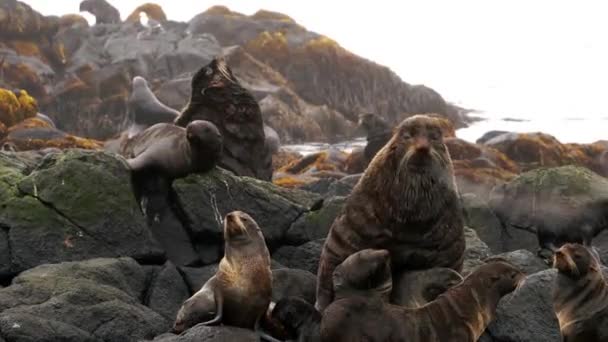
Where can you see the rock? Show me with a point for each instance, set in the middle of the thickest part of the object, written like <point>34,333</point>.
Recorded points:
<point>26,327</point>
<point>488,136</point>
<point>526,261</point>
<point>527,313</point>
<point>101,297</point>
<point>55,213</point>
<point>15,108</point>
<point>288,282</point>
<point>344,186</point>
<point>304,257</point>
<point>475,252</point>
<point>211,334</point>
<point>206,199</point>
<point>19,20</point>
<point>315,224</point>
<point>167,291</point>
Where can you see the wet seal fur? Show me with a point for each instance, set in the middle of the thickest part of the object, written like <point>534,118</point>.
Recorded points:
<point>580,295</point>
<point>240,291</point>
<point>144,109</point>
<point>405,202</point>
<point>298,318</point>
<point>174,152</point>
<point>217,96</point>
<point>416,288</point>
<point>460,314</point>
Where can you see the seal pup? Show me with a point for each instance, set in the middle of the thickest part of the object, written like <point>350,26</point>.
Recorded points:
<point>298,318</point>
<point>416,288</point>
<point>174,152</point>
<point>406,202</point>
<point>102,10</point>
<point>365,273</point>
<point>580,295</point>
<point>240,291</point>
<point>218,97</point>
<point>144,109</point>
<point>460,314</point>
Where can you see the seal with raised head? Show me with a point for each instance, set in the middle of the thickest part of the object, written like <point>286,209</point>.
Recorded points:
<point>460,314</point>
<point>144,109</point>
<point>174,152</point>
<point>416,288</point>
<point>405,202</point>
<point>102,10</point>
<point>240,291</point>
<point>580,295</point>
<point>217,96</point>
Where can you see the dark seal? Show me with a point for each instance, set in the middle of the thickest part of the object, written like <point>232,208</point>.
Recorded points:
<point>218,97</point>
<point>406,202</point>
<point>580,295</point>
<point>365,273</point>
<point>298,318</point>
<point>240,291</point>
<point>416,288</point>
<point>144,109</point>
<point>461,314</point>
<point>378,134</point>
<point>174,152</point>
<point>102,10</point>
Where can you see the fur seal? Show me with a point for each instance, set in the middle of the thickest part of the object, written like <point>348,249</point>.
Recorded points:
<point>378,134</point>
<point>416,288</point>
<point>580,295</point>
<point>240,291</point>
<point>102,10</point>
<point>460,314</point>
<point>298,318</point>
<point>175,152</point>
<point>217,96</point>
<point>405,202</point>
<point>144,109</point>
<point>365,273</point>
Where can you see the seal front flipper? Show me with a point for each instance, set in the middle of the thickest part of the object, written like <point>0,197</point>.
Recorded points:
<point>219,306</point>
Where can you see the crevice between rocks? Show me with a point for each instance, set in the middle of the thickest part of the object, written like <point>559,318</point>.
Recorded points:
<point>7,278</point>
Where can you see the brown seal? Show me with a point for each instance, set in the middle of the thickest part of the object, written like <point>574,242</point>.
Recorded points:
<point>298,318</point>
<point>365,273</point>
<point>217,96</point>
<point>405,202</point>
<point>580,295</point>
<point>102,10</point>
<point>240,291</point>
<point>144,109</point>
<point>174,152</point>
<point>416,288</point>
<point>461,314</point>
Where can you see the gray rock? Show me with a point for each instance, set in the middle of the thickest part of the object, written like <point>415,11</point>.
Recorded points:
<point>475,252</point>
<point>304,257</point>
<point>26,327</point>
<point>526,261</point>
<point>315,224</point>
<point>211,334</point>
<point>167,291</point>
<point>344,186</point>
<point>287,282</point>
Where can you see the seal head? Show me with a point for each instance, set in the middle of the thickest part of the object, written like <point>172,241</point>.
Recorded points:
<point>365,273</point>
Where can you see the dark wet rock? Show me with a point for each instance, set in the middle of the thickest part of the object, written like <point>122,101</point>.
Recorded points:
<point>211,334</point>
<point>526,261</point>
<point>320,186</point>
<point>167,291</point>
<point>27,327</point>
<point>527,314</point>
<point>475,252</point>
<point>206,199</point>
<point>57,213</point>
<point>287,282</point>
<point>101,297</point>
<point>304,257</point>
<point>315,224</point>
<point>344,186</point>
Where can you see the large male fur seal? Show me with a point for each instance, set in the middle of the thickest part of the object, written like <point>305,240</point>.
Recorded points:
<point>416,288</point>
<point>174,152</point>
<point>144,109</point>
<point>406,202</point>
<point>102,10</point>
<point>580,295</point>
<point>218,97</point>
<point>240,291</point>
<point>461,314</point>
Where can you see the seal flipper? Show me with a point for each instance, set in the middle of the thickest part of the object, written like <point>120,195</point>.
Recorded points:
<point>261,334</point>
<point>219,305</point>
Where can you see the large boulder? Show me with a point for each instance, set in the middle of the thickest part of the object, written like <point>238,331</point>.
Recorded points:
<point>72,206</point>
<point>304,257</point>
<point>315,224</point>
<point>211,334</point>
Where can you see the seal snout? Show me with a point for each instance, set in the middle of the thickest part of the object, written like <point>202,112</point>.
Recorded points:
<point>562,260</point>
<point>234,224</point>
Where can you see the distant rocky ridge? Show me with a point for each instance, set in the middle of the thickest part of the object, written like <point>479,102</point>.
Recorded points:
<point>309,88</point>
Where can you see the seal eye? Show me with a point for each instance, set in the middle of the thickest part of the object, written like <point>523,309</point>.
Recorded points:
<point>434,135</point>
<point>208,71</point>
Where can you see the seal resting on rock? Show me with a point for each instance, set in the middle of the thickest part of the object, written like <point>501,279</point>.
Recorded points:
<point>580,295</point>
<point>416,288</point>
<point>460,314</point>
<point>240,291</point>
<point>102,10</point>
<point>174,152</point>
<point>218,97</point>
<point>406,202</point>
<point>378,134</point>
<point>366,273</point>
<point>144,109</point>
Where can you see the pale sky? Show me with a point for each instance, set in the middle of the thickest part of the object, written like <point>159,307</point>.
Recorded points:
<point>517,58</point>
